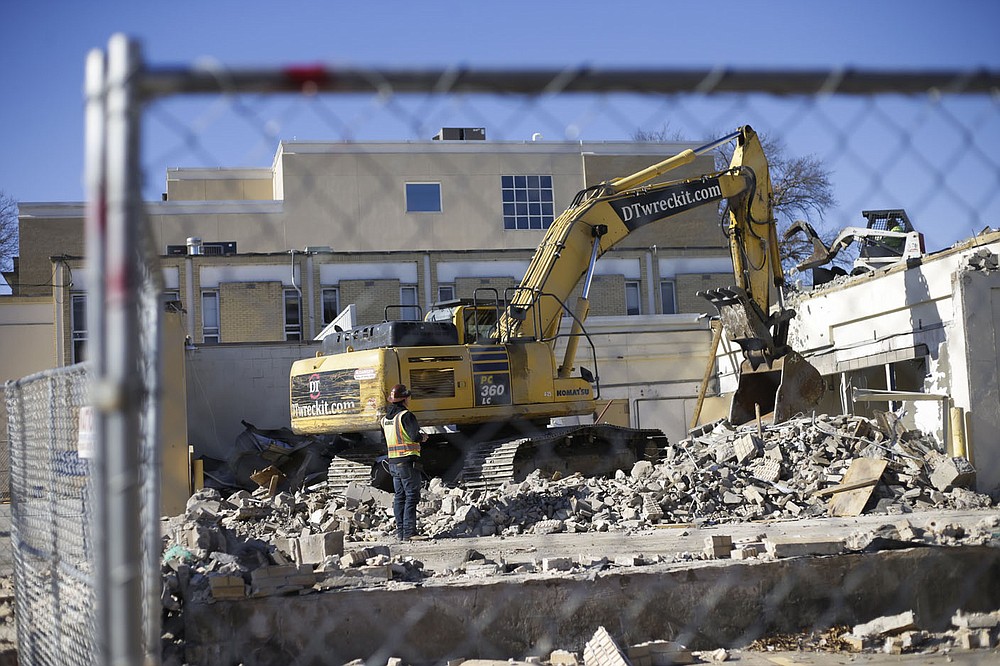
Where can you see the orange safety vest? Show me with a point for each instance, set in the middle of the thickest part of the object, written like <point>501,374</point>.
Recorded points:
<point>397,439</point>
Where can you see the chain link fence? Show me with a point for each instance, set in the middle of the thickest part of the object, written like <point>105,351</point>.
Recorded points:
<point>86,533</point>
<point>52,519</point>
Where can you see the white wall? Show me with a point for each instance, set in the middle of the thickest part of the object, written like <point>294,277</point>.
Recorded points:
<point>940,305</point>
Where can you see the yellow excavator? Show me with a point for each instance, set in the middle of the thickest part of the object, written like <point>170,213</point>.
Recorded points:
<point>484,372</point>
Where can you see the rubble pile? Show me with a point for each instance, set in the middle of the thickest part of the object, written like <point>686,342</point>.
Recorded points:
<point>720,475</point>
<point>266,543</point>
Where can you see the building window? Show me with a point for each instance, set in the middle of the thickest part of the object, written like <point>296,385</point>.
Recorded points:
<point>408,297</point>
<point>423,197</point>
<point>210,318</point>
<point>668,296</point>
<point>331,304</point>
<point>78,325</point>
<point>633,305</point>
<point>446,292</point>
<point>527,202</point>
<point>293,315</point>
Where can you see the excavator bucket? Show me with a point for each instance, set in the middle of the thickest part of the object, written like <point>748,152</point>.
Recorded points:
<point>821,253</point>
<point>788,386</point>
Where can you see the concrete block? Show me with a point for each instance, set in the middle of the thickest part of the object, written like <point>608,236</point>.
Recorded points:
<point>974,639</point>
<point>628,560</point>
<point>747,551</point>
<point>274,572</point>
<point>601,650</point>
<point>908,532</point>
<point>482,570</point>
<point>953,473</point>
<point>887,625</point>
<point>747,447</point>
<point>556,564</point>
<point>651,508</point>
<point>563,658</point>
<point>766,469</point>
<point>751,494</point>
<point>859,643</point>
<point>548,527</point>
<point>718,545</point>
<point>802,546</point>
<point>719,541</point>
<point>660,653</point>
<point>314,548</point>
<point>227,587</point>
<point>380,572</point>
<point>976,620</point>
<point>774,452</point>
<point>893,645</point>
<point>352,559</point>
<point>356,493</point>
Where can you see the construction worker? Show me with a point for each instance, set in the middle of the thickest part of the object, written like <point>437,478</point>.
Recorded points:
<point>895,243</point>
<point>403,439</point>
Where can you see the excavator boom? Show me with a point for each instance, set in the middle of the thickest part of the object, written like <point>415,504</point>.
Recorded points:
<point>602,216</point>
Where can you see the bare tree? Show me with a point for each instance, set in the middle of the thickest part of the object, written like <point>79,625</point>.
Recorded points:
<point>8,231</point>
<point>662,135</point>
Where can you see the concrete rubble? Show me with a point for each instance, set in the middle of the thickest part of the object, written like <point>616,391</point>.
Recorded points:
<point>252,544</point>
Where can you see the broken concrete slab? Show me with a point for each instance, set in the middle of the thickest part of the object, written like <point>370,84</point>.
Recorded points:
<point>802,546</point>
<point>887,625</point>
<point>953,472</point>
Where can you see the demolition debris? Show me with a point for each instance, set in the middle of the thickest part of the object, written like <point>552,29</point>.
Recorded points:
<point>260,543</point>
<point>719,475</point>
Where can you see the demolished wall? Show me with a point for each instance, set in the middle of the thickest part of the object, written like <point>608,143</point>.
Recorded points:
<point>935,316</point>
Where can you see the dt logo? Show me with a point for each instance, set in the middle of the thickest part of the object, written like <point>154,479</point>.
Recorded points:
<point>313,386</point>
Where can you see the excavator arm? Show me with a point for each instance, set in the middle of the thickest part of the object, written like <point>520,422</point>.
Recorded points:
<point>598,219</point>
<point>602,216</point>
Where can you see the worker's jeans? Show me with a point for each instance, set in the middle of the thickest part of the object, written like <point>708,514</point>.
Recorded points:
<point>406,478</point>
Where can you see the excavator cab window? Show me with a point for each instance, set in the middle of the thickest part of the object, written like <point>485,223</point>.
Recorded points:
<point>480,321</point>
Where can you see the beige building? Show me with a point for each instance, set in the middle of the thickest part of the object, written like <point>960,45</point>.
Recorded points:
<point>258,255</point>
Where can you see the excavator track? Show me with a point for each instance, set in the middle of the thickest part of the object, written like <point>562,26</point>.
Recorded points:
<point>592,450</point>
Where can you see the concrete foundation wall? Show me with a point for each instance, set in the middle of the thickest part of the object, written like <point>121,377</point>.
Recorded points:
<point>525,616</point>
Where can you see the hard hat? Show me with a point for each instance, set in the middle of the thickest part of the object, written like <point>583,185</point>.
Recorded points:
<point>398,393</point>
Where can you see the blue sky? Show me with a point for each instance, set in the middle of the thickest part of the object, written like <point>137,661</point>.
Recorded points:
<point>43,45</point>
